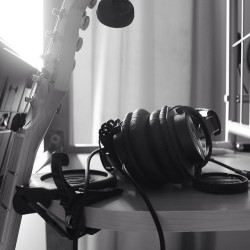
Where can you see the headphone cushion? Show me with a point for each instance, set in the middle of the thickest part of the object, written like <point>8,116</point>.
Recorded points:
<point>160,149</point>
<point>123,150</point>
<point>140,145</point>
<point>172,149</point>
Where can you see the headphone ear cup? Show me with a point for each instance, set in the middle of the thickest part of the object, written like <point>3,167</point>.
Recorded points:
<point>188,138</point>
<point>197,130</point>
<point>160,149</point>
<point>185,139</point>
<point>141,147</point>
<point>185,170</point>
<point>122,147</point>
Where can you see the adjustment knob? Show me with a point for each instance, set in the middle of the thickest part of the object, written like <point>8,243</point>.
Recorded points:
<point>55,12</point>
<point>79,44</point>
<point>59,13</point>
<point>85,22</point>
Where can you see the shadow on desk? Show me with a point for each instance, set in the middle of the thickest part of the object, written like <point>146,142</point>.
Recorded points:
<point>110,240</point>
<point>185,213</point>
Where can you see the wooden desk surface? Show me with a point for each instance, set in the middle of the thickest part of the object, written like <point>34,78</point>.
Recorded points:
<point>180,207</point>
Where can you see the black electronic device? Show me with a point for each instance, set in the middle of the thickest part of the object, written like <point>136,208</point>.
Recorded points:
<point>74,188</point>
<point>221,183</point>
<point>167,145</point>
<point>115,13</point>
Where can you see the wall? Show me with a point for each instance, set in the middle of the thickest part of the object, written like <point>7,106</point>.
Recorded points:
<point>32,233</point>
<point>145,65</point>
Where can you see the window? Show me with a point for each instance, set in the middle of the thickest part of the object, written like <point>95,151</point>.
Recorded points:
<point>21,27</point>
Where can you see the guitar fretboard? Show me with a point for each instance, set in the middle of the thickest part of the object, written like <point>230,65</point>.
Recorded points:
<point>9,182</point>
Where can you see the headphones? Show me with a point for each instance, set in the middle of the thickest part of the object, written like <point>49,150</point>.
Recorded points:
<point>167,145</point>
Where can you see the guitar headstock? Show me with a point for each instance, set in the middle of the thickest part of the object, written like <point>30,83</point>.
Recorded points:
<point>53,81</point>
<point>63,42</point>
<point>48,90</point>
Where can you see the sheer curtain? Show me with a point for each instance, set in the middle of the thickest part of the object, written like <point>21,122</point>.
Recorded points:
<point>145,65</point>
<point>173,53</point>
<point>209,56</point>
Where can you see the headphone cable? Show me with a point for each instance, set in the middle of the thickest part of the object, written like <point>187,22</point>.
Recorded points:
<point>238,171</point>
<point>142,193</point>
<point>150,207</point>
<point>80,214</point>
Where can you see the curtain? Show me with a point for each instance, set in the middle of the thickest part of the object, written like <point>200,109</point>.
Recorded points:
<point>145,65</point>
<point>173,53</point>
<point>208,81</point>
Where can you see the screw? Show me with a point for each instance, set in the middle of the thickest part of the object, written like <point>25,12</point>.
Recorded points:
<point>85,22</point>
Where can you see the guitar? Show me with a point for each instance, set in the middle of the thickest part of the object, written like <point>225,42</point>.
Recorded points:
<point>48,90</point>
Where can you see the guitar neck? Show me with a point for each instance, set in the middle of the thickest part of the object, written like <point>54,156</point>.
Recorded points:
<point>13,176</point>
<point>50,87</point>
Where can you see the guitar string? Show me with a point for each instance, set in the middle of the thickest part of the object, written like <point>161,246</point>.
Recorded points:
<point>3,217</point>
<point>10,164</point>
<point>14,135</point>
<point>47,52</point>
<point>6,191</point>
<point>14,138</point>
<point>32,93</point>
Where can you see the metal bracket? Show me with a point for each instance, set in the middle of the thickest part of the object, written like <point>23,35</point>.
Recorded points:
<point>18,121</point>
<point>37,196</point>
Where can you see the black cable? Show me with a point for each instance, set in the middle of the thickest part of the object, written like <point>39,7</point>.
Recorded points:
<point>150,208</point>
<point>238,171</point>
<point>80,214</point>
<point>79,217</point>
<point>75,244</point>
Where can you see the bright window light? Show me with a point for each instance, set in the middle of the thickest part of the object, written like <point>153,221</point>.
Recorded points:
<point>21,27</point>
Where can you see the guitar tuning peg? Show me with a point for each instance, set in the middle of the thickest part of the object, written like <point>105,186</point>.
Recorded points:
<point>92,4</point>
<point>59,13</point>
<point>48,33</point>
<point>52,35</point>
<point>59,109</point>
<point>79,44</point>
<point>28,99</point>
<point>35,77</point>
<point>84,22</point>
<point>55,12</point>
<point>45,73</point>
<point>45,57</point>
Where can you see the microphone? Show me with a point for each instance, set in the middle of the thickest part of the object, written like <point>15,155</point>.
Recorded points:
<point>115,13</point>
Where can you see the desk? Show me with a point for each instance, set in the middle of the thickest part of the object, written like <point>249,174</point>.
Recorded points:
<point>180,207</point>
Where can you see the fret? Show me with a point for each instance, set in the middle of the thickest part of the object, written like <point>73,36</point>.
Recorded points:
<point>5,242</point>
<point>5,207</point>
<point>5,152</point>
<point>4,139</point>
<point>7,190</point>
<point>3,86</point>
<point>12,172</point>
<point>3,218</point>
<point>12,165</point>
